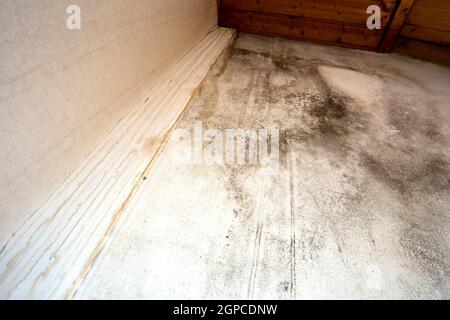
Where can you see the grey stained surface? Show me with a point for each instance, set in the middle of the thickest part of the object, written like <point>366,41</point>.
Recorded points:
<point>359,208</point>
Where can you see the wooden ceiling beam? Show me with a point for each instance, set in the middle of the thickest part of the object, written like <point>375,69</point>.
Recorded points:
<point>396,25</point>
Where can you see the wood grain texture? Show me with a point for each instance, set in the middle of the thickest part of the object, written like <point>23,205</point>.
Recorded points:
<point>429,21</point>
<point>51,251</point>
<point>426,33</point>
<point>334,22</point>
<point>424,50</point>
<point>301,29</point>
<point>347,11</point>
<point>398,20</point>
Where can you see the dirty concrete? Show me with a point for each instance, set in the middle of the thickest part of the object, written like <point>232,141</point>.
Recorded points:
<point>358,209</point>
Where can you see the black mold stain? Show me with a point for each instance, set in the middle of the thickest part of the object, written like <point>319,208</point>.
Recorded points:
<point>327,111</point>
<point>327,123</point>
<point>321,119</point>
<point>245,52</point>
<point>430,175</point>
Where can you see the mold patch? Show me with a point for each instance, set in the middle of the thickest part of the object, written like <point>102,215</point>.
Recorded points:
<point>362,147</point>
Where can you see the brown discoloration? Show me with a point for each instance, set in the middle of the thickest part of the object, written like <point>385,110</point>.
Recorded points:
<point>208,90</point>
<point>245,52</point>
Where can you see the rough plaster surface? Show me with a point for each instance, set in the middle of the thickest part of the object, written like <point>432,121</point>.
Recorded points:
<point>359,209</point>
<point>61,91</point>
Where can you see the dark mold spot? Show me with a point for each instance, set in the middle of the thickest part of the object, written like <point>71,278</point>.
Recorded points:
<point>284,286</point>
<point>412,174</point>
<point>328,108</point>
<point>245,52</point>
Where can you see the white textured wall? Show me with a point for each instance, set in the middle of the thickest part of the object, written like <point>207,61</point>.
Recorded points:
<point>61,91</point>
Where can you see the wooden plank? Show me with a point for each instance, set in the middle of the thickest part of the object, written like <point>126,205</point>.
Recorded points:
<point>344,11</point>
<point>48,256</point>
<point>398,20</point>
<point>431,14</point>
<point>218,4</point>
<point>429,21</point>
<point>301,29</point>
<point>424,50</point>
<point>426,34</point>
